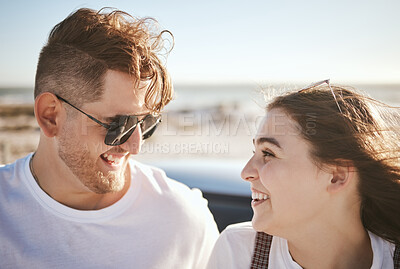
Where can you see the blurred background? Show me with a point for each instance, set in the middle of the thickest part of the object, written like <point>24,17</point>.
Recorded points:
<point>225,53</point>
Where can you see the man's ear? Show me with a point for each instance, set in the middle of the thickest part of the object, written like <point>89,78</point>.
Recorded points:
<point>48,113</point>
<point>342,176</point>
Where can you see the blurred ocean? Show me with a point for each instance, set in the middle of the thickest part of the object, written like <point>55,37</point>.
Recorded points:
<point>203,121</point>
<point>192,97</point>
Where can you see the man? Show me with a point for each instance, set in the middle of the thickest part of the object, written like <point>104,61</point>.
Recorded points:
<point>79,201</point>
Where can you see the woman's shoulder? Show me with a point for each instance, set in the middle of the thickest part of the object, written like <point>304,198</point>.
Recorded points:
<point>239,232</point>
<point>234,247</point>
<point>240,227</point>
<point>383,251</point>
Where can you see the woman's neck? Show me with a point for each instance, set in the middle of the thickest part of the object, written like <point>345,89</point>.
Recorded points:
<point>332,244</point>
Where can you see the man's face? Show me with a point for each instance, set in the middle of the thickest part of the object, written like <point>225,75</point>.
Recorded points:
<point>99,167</point>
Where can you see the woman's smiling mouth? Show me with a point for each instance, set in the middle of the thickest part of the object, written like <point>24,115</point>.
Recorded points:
<point>258,197</point>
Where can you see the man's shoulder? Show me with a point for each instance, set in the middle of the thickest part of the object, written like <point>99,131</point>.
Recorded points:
<point>158,179</point>
<point>186,204</point>
<point>10,171</point>
<point>13,182</point>
<point>7,167</point>
<point>147,169</point>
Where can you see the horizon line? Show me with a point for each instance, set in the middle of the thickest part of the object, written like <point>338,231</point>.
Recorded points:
<point>194,83</point>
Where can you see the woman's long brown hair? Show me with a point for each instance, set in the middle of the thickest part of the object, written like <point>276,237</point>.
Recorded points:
<point>364,133</point>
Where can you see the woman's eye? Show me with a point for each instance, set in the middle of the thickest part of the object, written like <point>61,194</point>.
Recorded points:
<point>267,153</point>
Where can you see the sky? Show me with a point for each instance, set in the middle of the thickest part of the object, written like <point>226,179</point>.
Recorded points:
<point>228,42</point>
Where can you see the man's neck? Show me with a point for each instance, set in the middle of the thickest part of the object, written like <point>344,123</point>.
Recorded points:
<point>60,184</point>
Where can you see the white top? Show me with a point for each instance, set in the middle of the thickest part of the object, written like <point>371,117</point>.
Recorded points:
<point>159,223</point>
<point>234,250</point>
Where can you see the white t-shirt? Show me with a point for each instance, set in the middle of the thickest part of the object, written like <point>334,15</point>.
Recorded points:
<point>235,246</point>
<point>159,223</point>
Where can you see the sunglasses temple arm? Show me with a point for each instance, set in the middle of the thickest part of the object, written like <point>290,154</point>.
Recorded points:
<point>90,117</point>
<point>96,120</point>
<point>334,96</point>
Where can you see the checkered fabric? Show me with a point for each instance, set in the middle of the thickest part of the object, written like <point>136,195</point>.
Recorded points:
<point>262,247</point>
<point>396,257</point>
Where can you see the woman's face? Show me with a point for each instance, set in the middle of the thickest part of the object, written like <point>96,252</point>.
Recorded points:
<point>288,189</point>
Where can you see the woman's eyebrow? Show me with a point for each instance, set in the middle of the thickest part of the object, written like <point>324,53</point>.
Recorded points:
<point>270,140</point>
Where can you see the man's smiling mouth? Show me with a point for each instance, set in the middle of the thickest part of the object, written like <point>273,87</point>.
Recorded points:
<point>114,160</point>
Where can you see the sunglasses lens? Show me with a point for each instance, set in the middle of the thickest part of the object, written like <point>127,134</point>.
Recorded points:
<point>121,130</point>
<point>149,125</point>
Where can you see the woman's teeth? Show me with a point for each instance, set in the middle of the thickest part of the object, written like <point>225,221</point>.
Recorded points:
<point>259,196</point>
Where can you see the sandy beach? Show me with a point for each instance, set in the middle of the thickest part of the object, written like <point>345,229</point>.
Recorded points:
<point>19,132</point>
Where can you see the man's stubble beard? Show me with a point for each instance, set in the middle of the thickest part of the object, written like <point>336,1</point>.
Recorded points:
<point>77,158</point>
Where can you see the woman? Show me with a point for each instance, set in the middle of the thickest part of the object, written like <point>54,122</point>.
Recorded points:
<point>325,182</point>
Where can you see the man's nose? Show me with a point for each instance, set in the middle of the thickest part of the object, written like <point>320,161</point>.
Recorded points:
<point>249,172</point>
<point>134,142</point>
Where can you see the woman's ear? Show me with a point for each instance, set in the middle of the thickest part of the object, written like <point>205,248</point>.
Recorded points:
<point>48,113</point>
<point>342,176</point>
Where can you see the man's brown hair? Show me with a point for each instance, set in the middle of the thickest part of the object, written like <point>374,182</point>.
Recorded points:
<point>81,49</point>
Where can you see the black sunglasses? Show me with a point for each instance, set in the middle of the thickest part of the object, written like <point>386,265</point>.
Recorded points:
<point>120,129</point>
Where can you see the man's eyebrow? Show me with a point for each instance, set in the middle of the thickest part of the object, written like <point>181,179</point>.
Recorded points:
<point>112,118</point>
<point>270,140</point>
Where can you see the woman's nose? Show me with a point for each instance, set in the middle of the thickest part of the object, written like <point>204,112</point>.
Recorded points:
<point>249,172</point>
